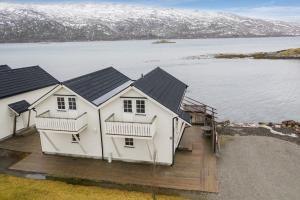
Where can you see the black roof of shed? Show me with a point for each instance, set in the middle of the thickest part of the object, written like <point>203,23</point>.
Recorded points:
<point>4,68</point>
<point>164,88</point>
<point>20,80</point>
<point>20,106</point>
<point>94,85</point>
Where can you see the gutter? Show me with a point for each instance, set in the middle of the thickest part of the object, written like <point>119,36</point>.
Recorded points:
<point>99,114</point>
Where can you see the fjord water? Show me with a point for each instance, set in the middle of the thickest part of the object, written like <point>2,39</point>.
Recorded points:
<point>243,90</point>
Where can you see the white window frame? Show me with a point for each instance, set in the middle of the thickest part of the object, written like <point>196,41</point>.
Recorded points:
<point>61,102</point>
<point>129,142</point>
<point>72,105</point>
<point>138,106</point>
<point>126,109</point>
<point>73,138</point>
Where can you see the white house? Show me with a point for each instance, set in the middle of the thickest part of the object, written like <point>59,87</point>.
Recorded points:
<point>106,115</point>
<point>18,89</point>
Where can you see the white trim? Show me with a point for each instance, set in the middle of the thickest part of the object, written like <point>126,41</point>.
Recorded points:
<point>47,95</point>
<point>77,95</point>
<point>114,97</point>
<point>111,93</point>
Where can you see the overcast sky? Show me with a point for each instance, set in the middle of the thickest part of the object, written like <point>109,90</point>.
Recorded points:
<point>288,10</point>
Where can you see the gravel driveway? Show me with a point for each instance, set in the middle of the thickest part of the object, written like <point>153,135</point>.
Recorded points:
<point>258,167</point>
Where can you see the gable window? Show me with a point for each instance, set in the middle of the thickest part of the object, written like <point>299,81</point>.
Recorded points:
<point>72,103</point>
<point>61,103</point>
<point>74,139</point>
<point>140,106</point>
<point>129,142</point>
<point>127,105</point>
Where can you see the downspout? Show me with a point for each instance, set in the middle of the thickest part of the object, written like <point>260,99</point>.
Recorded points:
<point>173,141</point>
<point>29,115</point>
<point>100,127</point>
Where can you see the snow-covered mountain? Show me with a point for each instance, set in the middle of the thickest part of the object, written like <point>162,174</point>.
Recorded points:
<point>74,22</point>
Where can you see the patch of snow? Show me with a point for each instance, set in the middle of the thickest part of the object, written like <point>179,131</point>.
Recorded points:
<point>278,133</point>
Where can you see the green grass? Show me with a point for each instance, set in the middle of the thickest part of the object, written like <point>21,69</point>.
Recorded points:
<point>15,188</point>
<point>284,54</point>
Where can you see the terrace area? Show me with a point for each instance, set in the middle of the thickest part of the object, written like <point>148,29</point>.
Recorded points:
<point>194,169</point>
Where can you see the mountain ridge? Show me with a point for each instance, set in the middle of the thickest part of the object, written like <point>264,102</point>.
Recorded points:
<point>92,22</point>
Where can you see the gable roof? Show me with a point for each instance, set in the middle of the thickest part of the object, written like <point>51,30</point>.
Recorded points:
<point>95,85</point>
<point>4,68</point>
<point>20,80</point>
<point>20,106</point>
<point>164,88</point>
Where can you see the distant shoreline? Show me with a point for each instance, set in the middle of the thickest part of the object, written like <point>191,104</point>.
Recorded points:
<point>293,53</point>
<point>140,39</point>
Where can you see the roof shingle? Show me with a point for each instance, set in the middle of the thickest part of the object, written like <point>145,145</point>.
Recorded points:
<point>20,80</point>
<point>4,68</point>
<point>164,88</point>
<point>20,106</point>
<point>94,85</point>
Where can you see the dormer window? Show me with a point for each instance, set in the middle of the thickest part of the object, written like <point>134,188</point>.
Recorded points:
<point>127,106</point>
<point>61,103</point>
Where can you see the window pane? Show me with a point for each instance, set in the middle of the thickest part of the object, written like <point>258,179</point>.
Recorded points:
<point>128,141</point>
<point>74,139</point>
<point>72,103</point>
<point>140,106</point>
<point>61,103</point>
<point>127,105</point>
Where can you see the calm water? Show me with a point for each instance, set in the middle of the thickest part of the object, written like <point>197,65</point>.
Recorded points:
<point>243,90</point>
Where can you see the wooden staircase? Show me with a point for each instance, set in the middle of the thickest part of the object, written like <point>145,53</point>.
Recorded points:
<point>204,116</point>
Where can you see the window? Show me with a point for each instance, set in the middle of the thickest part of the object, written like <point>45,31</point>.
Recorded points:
<point>61,103</point>
<point>140,106</point>
<point>74,139</point>
<point>129,142</point>
<point>72,103</point>
<point>127,106</point>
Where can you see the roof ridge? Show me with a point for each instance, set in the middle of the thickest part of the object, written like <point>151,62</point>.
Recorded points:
<point>165,73</point>
<point>89,74</point>
<point>26,67</point>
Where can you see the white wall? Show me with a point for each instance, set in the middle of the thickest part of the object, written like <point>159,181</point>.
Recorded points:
<point>7,117</point>
<point>89,138</point>
<point>162,139</point>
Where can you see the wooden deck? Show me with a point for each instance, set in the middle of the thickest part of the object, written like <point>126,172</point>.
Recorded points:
<point>193,170</point>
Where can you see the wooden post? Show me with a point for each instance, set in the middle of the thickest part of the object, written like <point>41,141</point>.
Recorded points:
<point>15,125</point>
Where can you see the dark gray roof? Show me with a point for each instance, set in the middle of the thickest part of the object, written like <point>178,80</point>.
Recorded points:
<point>4,68</point>
<point>20,80</point>
<point>163,87</point>
<point>94,85</point>
<point>20,106</point>
<point>185,116</point>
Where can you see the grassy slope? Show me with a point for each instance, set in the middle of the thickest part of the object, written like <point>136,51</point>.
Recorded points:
<point>284,54</point>
<point>14,188</point>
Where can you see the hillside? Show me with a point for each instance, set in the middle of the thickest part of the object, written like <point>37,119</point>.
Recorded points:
<point>103,21</point>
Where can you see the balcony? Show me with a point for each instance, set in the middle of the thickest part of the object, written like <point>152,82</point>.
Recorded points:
<point>120,128</point>
<point>59,123</point>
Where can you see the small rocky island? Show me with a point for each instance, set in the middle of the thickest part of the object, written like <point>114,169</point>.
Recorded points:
<point>163,42</point>
<point>283,54</point>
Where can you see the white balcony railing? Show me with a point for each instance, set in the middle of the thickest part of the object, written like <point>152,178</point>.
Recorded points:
<point>130,129</point>
<point>71,125</point>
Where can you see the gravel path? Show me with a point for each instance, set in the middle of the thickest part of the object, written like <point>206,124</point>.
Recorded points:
<point>258,167</point>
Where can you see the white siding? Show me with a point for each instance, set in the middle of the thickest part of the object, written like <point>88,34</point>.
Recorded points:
<point>162,139</point>
<point>7,117</point>
<point>89,138</point>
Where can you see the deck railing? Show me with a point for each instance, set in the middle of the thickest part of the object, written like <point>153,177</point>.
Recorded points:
<point>130,129</point>
<point>46,121</point>
<point>207,112</point>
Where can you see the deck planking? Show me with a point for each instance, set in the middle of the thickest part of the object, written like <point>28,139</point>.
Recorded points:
<point>193,170</point>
